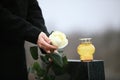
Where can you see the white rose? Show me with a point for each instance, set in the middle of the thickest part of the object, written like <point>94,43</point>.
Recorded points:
<point>58,39</point>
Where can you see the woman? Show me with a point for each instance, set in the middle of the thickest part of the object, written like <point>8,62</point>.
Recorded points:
<point>20,20</point>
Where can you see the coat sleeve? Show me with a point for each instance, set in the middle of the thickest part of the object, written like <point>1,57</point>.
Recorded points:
<point>16,26</point>
<point>35,16</point>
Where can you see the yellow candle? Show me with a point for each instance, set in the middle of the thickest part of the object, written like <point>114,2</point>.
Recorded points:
<point>86,49</point>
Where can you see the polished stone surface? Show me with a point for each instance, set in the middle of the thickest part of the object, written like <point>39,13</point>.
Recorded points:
<point>78,70</point>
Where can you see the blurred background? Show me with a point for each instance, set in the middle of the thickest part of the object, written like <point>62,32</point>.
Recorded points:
<point>98,19</point>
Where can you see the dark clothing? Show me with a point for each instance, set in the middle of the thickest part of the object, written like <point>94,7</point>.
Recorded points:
<point>20,20</point>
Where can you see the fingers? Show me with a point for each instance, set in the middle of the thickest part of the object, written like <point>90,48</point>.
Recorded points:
<point>44,36</point>
<point>44,43</point>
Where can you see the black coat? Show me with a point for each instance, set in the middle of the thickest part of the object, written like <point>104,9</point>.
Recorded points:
<point>20,20</point>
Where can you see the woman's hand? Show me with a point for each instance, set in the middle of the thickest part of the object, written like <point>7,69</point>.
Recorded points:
<point>45,43</point>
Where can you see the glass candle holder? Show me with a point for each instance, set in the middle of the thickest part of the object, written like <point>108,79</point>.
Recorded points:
<point>86,49</point>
